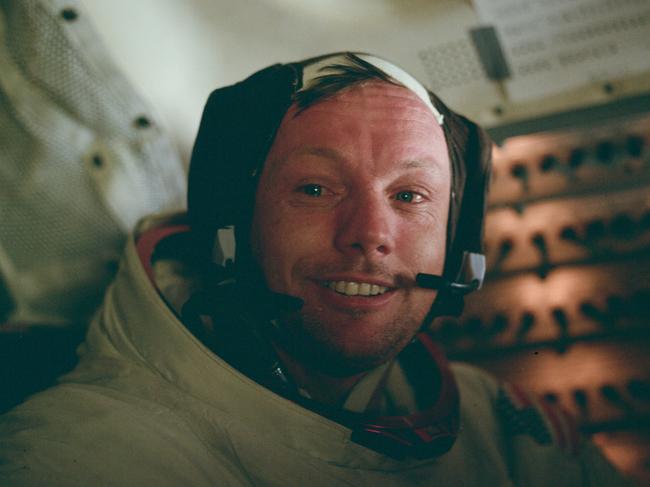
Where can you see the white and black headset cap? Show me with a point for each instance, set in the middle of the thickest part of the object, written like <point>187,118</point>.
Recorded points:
<point>238,127</point>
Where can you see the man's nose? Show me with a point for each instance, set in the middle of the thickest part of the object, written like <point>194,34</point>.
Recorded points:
<point>366,226</point>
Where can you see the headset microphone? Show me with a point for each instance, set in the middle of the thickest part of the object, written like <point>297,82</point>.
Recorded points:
<point>431,281</point>
<point>470,278</point>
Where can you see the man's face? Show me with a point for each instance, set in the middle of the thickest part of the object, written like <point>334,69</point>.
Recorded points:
<point>351,205</point>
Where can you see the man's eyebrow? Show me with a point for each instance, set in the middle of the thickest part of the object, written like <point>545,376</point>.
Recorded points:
<point>410,164</point>
<point>336,157</point>
<point>414,164</point>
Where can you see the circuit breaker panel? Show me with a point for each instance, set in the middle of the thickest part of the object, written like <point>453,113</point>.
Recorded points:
<point>565,311</point>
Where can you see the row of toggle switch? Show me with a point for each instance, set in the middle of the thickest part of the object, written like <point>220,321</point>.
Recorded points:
<point>622,227</point>
<point>620,397</point>
<point>605,316</point>
<point>604,152</point>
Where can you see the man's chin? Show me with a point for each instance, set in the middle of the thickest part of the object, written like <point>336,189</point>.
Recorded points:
<point>338,355</point>
<point>336,362</point>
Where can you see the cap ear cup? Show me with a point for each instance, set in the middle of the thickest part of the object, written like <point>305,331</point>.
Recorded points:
<point>476,155</point>
<point>237,129</point>
<point>470,153</point>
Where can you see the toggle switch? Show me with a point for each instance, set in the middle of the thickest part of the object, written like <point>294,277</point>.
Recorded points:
<point>634,145</point>
<point>505,247</point>
<point>539,241</point>
<point>622,226</point>
<point>562,322</point>
<point>570,234</point>
<point>605,152</point>
<point>577,158</point>
<point>526,324</point>
<point>520,171</point>
<point>614,397</point>
<point>595,230</point>
<point>548,163</point>
<point>581,400</point>
<point>592,312</point>
<point>639,389</point>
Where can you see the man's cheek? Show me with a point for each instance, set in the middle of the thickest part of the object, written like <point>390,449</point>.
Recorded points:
<point>281,264</point>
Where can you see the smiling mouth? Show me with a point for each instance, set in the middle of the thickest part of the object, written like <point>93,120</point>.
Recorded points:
<point>351,288</point>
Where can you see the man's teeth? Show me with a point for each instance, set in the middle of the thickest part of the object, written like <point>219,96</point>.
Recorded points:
<point>355,288</point>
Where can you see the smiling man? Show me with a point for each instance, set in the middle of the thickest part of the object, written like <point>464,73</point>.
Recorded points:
<point>352,204</point>
<point>278,333</point>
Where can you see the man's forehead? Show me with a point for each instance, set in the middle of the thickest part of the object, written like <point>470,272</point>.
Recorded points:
<point>394,108</point>
<point>348,65</point>
<point>369,97</point>
<point>328,129</point>
<point>335,157</point>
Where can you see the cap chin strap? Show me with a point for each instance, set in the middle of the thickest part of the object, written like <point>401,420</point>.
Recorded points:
<point>469,278</point>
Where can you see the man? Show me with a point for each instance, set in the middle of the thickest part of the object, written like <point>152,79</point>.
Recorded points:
<point>354,202</point>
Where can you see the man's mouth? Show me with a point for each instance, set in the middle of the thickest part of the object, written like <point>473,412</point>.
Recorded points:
<point>351,288</point>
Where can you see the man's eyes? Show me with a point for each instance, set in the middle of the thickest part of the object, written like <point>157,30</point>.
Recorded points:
<point>408,197</point>
<point>314,190</point>
<point>314,195</point>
